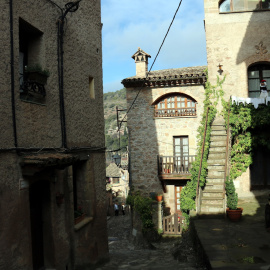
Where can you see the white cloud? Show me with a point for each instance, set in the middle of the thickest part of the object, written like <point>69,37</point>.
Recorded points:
<point>128,25</point>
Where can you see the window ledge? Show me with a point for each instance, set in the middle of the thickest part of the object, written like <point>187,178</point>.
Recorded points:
<point>175,117</point>
<point>81,224</point>
<point>243,11</point>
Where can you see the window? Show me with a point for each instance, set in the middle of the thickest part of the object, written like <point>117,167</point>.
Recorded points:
<point>255,74</point>
<point>115,180</point>
<point>243,5</point>
<point>181,153</point>
<point>30,52</point>
<point>175,105</point>
<point>92,87</point>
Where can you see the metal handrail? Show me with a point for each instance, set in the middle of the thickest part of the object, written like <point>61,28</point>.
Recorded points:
<point>200,169</point>
<point>227,151</point>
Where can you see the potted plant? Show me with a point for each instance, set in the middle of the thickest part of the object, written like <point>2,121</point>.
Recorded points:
<point>159,197</point>
<point>37,74</point>
<point>234,213</point>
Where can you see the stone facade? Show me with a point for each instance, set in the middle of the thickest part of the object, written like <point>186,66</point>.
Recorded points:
<point>51,167</point>
<point>150,136</point>
<point>118,182</point>
<point>236,40</point>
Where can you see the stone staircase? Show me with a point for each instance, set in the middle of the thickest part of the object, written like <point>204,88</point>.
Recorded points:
<point>212,200</point>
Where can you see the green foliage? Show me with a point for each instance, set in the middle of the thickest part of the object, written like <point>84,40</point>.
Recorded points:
<point>142,205</point>
<point>37,68</point>
<point>111,100</point>
<point>120,94</point>
<point>232,197</point>
<point>188,194</point>
<point>250,130</point>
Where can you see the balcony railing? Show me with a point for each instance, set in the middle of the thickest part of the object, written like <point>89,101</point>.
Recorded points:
<point>175,165</point>
<point>30,87</point>
<point>175,112</point>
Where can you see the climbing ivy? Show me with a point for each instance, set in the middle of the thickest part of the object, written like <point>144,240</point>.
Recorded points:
<point>249,130</point>
<point>213,93</point>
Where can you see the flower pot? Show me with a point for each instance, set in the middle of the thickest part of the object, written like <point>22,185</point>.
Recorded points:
<point>234,215</point>
<point>36,77</point>
<point>159,198</point>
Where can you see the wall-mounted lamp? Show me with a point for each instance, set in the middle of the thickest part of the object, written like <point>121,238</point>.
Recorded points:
<point>220,70</point>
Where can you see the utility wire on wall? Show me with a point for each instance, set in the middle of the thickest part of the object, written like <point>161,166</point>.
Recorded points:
<point>128,110</point>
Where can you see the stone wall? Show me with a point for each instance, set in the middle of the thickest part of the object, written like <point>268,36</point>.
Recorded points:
<point>39,126</point>
<point>232,40</point>
<point>150,136</point>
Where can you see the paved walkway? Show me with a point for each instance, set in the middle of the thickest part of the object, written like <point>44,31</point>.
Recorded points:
<point>224,244</point>
<point>236,245</point>
<point>163,255</point>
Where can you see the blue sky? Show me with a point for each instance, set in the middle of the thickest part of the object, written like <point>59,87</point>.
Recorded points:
<point>129,24</point>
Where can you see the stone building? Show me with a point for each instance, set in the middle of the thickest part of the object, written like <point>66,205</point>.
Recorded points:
<point>52,140</point>
<point>118,181</point>
<point>162,127</point>
<point>237,37</point>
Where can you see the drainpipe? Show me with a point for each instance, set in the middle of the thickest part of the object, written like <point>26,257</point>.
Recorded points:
<point>12,73</point>
<point>61,79</point>
<point>69,7</point>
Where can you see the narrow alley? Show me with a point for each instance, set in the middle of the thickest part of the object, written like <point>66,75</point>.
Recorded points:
<point>169,254</point>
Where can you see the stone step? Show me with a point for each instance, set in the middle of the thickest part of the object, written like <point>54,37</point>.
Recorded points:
<point>213,174</point>
<point>218,127</point>
<point>215,177</point>
<point>216,166</point>
<point>206,210</point>
<point>214,181</point>
<point>218,144</point>
<point>219,132</point>
<point>219,121</point>
<point>218,138</point>
<point>218,162</point>
<point>216,155</point>
<point>218,186</point>
<point>219,149</point>
<point>212,195</point>
<point>212,201</point>
<point>212,190</point>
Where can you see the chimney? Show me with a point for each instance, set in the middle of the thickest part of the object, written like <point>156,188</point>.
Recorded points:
<point>141,60</point>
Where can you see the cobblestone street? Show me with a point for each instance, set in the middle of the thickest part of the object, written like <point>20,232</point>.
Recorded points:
<point>167,254</point>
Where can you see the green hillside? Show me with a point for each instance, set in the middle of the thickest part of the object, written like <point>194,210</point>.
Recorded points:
<point>111,100</point>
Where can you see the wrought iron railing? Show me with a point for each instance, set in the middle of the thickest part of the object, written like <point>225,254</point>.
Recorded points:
<point>176,112</point>
<point>30,87</point>
<point>175,164</point>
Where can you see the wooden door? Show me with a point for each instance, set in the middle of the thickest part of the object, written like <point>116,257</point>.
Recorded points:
<point>260,169</point>
<point>36,215</point>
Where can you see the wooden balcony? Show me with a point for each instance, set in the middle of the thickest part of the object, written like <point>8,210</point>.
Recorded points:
<point>175,167</point>
<point>176,112</point>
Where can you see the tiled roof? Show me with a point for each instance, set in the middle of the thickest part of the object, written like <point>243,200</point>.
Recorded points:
<point>169,77</point>
<point>113,171</point>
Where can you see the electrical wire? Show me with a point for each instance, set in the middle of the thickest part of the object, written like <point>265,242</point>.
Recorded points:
<point>53,3</point>
<point>151,65</point>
